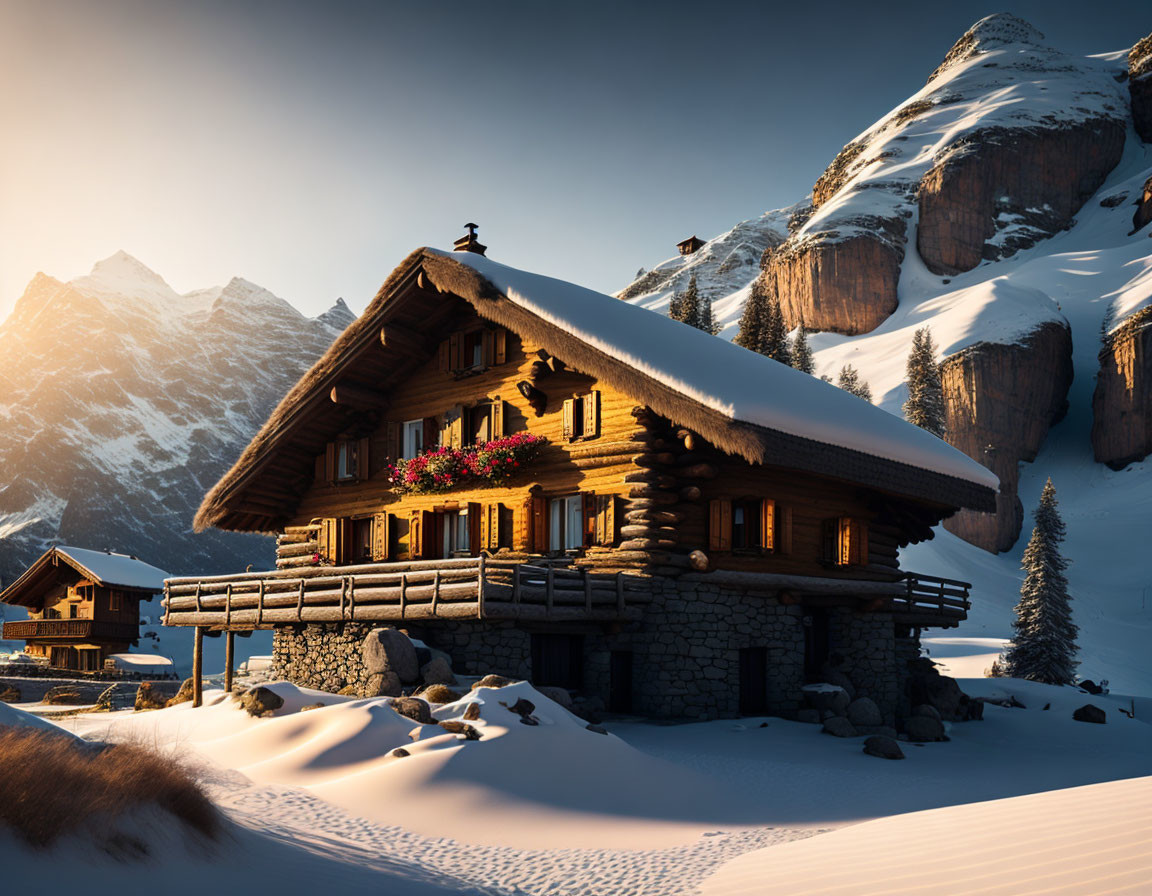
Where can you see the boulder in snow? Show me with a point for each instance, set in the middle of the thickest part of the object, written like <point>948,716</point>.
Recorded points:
<point>413,708</point>
<point>261,701</point>
<point>883,747</point>
<point>9,693</point>
<point>389,650</point>
<point>493,681</point>
<point>455,726</point>
<point>927,711</point>
<point>924,729</point>
<point>1090,713</point>
<point>380,684</point>
<point>838,726</point>
<point>556,695</point>
<point>438,693</point>
<point>863,711</point>
<point>437,671</point>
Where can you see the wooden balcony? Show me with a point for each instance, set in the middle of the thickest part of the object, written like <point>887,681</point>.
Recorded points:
<point>931,602</point>
<point>69,630</point>
<point>466,588</point>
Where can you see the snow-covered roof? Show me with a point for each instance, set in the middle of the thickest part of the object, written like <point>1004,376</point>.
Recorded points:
<point>743,403</point>
<point>139,661</point>
<point>739,384</point>
<point>102,567</point>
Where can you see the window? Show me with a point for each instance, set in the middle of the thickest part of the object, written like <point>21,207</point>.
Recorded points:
<point>845,542</point>
<point>470,351</point>
<point>582,417</point>
<point>345,461</point>
<point>746,532</point>
<point>566,523</point>
<point>73,611</point>
<point>413,442</point>
<point>749,524</point>
<point>480,424</point>
<point>456,532</point>
<point>473,350</point>
<point>115,601</point>
<point>361,540</point>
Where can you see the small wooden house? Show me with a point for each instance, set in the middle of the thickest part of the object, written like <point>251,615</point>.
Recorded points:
<point>83,605</point>
<point>549,483</point>
<point>690,245</point>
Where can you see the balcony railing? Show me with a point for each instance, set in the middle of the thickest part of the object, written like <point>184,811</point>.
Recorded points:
<point>466,588</point>
<point>931,600</point>
<point>70,630</point>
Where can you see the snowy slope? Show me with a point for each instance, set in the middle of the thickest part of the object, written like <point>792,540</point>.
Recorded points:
<point>725,267</point>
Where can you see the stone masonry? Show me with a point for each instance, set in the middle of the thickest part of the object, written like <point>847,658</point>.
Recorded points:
<point>685,651</point>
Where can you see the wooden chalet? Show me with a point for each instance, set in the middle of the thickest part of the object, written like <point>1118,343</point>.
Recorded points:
<point>83,605</point>
<point>702,531</point>
<point>690,245</point>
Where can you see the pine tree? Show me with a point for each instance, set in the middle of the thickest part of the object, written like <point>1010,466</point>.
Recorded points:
<point>925,404</point>
<point>776,333</point>
<point>752,319</point>
<point>676,306</point>
<point>688,308</point>
<point>801,353</point>
<point>850,381</point>
<point>704,319</point>
<point>1044,648</point>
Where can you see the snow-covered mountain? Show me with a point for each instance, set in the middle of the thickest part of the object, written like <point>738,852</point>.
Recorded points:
<point>122,402</point>
<point>1006,205</point>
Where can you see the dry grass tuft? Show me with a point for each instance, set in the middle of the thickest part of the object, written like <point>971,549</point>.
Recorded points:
<point>53,786</point>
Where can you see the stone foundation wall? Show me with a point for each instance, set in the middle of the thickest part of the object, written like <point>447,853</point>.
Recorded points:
<point>685,651</point>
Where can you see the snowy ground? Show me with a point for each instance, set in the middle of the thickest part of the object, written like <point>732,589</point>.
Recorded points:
<point>556,809</point>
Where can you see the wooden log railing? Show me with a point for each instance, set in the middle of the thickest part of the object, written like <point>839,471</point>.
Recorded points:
<point>70,629</point>
<point>932,596</point>
<point>465,588</point>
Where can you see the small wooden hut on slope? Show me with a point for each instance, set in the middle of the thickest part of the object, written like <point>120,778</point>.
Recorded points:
<point>83,605</point>
<point>549,483</point>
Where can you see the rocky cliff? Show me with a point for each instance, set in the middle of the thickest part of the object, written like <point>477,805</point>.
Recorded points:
<point>1143,216</point>
<point>1000,190</point>
<point>1122,401</point>
<point>1001,401</point>
<point>122,402</point>
<point>1140,87</point>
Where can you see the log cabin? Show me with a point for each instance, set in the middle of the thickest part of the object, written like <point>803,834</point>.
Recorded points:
<point>83,606</point>
<point>549,483</point>
<point>690,245</point>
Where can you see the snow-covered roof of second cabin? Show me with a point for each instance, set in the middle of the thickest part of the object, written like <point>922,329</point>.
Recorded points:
<point>104,568</point>
<point>742,402</point>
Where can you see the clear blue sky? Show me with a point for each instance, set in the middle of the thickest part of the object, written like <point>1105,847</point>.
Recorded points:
<point>310,146</point>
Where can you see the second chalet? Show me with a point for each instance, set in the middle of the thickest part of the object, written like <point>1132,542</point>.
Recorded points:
<point>548,483</point>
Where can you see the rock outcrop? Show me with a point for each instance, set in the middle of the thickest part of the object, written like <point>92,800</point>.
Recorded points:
<point>843,284</point>
<point>1001,400</point>
<point>1143,214</point>
<point>996,191</point>
<point>1140,87</point>
<point>1122,402</point>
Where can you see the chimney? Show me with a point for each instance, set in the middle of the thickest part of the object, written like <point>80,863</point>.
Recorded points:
<point>468,242</point>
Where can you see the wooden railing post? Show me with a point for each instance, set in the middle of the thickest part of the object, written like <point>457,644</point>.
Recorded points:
<point>229,658</point>
<point>435,591</point>
<point>300,602</point>
<point>198,668</point>
<point>480,589</point>
<point>167,609</point>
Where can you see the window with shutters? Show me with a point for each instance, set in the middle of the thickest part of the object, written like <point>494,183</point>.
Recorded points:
<point>413,438</point>
<point>346,460</point>
<point>582,417</point>
<point>844,542</point>
<point>456,540</point>
<point>471,351</point>
<point>361,540</point>
<point>750,525</point>
<point>473,347</point>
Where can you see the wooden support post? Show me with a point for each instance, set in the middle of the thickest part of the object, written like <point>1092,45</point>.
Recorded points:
<point>343,591</point>
<point>198,607</point>
<point>435,590</point>
<point>198,667</point>
<point>227,604</point>
<point>351,598</point>
<point>480,589</point>
<point>403,593</point>
<point>259,601</point>
<point>229,658</point>
<point>167,609</point>
<point>300,601</point>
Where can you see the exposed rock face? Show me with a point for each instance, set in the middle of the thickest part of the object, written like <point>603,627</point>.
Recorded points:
<point>846,285</point>
<point>1122,402</point>
<point>1140,87</point>
<point>997,191</point>
<point>1001,401</point>
<point>1144,211</point>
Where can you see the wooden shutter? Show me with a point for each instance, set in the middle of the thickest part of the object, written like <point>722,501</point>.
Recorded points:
<point>363,459</point>
<point>496,428</point>
<point>720,525</point>
<point>421,529</point>
<point>327,540</point>
<point>610,520</point>
<point>392,446</point>
<point>487,348</point>
<point>500,341</point>
<point>768,524</point>
<point>330,463</point>
<point>537,510</point>
<point>490,526</point>
<point>569,419</point>
<point>592,414</point>
<point>454,423</point>
<point>783,530</point>
<point>475,535</point>
<point>456,351</point>
<point>590,505</point>
<point>382,536</point>
<point>829,541</point>
<point>443,359</point>
<point>856,552</point>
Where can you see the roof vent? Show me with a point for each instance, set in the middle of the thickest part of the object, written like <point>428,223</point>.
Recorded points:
<point>468,242</point>
<point>690,245</point>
